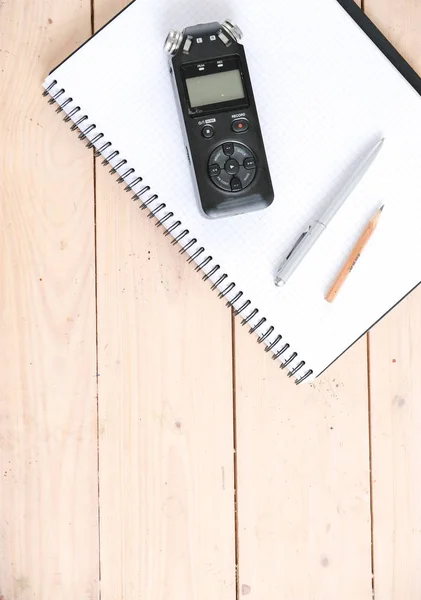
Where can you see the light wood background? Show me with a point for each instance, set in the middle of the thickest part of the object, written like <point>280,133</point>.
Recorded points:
<point>148,448</point>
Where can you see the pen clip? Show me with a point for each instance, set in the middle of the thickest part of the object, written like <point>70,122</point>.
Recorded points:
<point>298,242</point>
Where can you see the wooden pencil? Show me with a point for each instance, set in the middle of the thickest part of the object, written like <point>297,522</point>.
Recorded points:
<point>354,257</point>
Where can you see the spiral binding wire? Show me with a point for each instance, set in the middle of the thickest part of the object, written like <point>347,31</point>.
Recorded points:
<point>79,119</point>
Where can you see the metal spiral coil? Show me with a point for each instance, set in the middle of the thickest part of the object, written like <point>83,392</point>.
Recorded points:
<point>175,229</point>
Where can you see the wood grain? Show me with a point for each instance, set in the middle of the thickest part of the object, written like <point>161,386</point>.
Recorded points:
<point>395,347</point>
<point>165,377</point>
<point>400,22</point>
<point>48,462</point>
<point>395,375</point>
<point>303,483</point>
<point>303,479</point>
<point>165,402</point>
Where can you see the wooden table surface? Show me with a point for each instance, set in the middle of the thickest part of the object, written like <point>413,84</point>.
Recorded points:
<point>149,449</point>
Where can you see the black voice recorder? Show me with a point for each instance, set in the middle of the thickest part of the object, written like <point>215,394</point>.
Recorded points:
<point>223,136</point>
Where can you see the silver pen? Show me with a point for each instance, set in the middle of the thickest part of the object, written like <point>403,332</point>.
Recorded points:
<point>307,239</point>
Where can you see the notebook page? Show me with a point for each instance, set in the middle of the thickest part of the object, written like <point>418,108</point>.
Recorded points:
<point>333,95</point>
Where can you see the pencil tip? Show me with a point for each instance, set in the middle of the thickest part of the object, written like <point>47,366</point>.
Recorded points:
<point>381,209</point>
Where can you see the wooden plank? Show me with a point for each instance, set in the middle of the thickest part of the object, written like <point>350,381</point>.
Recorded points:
<point>395,351</point>
<point>48,446</point>
<point>165,402</point>
<point>395,377</point>
<point>302,479</point>
<point>400,22</point>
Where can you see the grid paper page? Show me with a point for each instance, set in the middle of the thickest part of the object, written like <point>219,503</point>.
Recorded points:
<point>334,94</point>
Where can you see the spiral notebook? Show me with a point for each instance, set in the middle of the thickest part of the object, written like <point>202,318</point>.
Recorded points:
<point>327,85</point>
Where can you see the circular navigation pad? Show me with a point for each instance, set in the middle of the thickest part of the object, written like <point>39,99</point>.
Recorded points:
<point>232,167</point>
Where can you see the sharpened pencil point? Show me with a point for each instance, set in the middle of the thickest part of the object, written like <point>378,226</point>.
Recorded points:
<point>354,257</point>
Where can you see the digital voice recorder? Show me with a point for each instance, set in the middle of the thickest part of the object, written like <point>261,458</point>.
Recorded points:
<point>224,141</point>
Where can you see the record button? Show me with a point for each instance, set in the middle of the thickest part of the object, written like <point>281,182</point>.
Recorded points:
<point>240,125</point>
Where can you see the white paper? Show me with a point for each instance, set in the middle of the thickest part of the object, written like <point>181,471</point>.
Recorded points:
<point>324,93</point>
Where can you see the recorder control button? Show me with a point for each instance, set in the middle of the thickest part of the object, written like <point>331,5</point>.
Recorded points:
<point>228,148</point>
<point>214,170</point>
<point>250,163</point>
<point>208,131</point>
<point>232,172</point>
<point>240,125</point>
<point>236,185</point>
<point>232,167</point>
